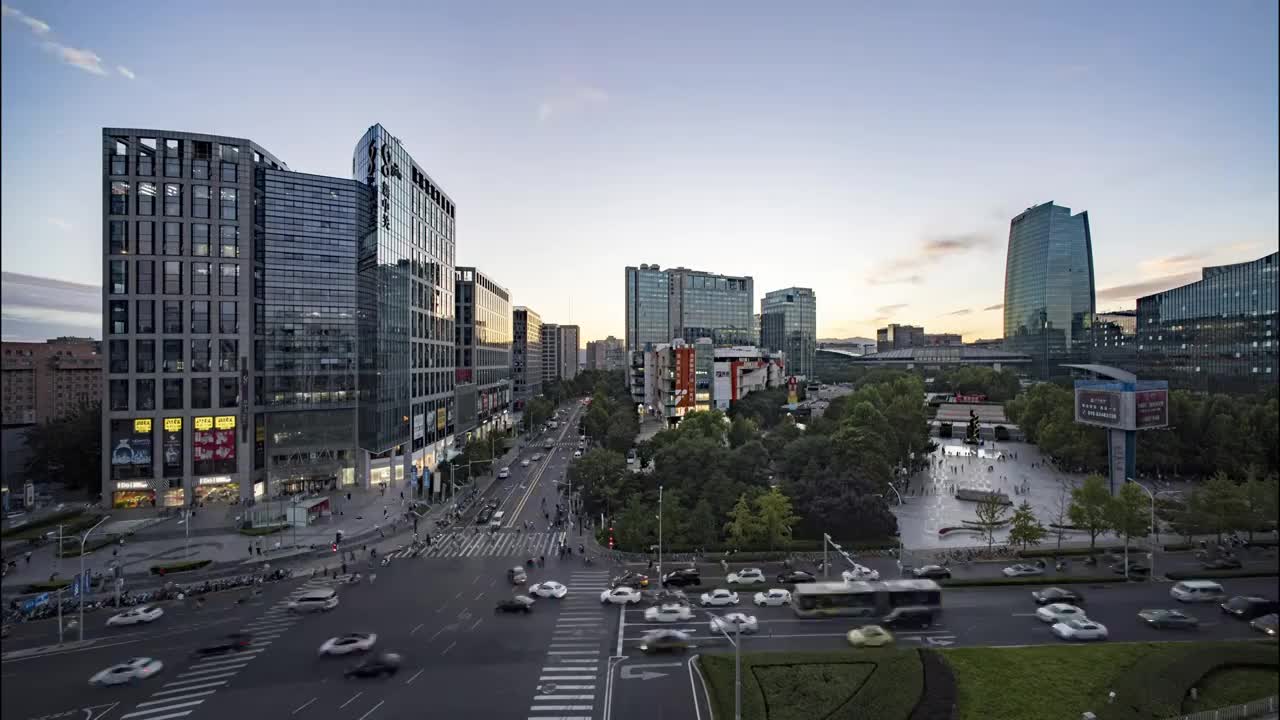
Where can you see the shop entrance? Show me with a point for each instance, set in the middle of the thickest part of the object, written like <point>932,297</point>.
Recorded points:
<point>133,498</point>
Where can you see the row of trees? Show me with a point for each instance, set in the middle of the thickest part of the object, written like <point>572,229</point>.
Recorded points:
<point>997,385</point>
<point>68,450</point>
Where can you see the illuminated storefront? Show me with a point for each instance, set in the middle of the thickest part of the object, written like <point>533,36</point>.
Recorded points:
<point>174,497</point>
<point>218,488</point>
<point>133,494</point>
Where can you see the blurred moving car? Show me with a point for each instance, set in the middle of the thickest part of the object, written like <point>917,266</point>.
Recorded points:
<point>1175,619</point>
<point>139,668</point>
<point>719,597</point>
<point>1197,591</point>
<point>524,462</point>
<point>235,642</point>
<point>1135,568</point>
<point>869,636</point>
<point>321,600</point>
<point>746,576</point>
<point>349,643</point>
<point>1057,595</point>
<point>621,596</point>
<point>932,572</point>
<point>1224,562</point>
<point>387,663</point>
<point>1266,624</point>
<point>1080,630</point>
<point>669,597</point>
<point>1059,612</point>
<point>135,616</point>
<point>796,576</point>
<point>519,603</point>
<point>1022,570</point>
<point>548,589</point>
<point>1248,607</point>
<point>630,579</point>
<point>860,573</point>
<point>734,622</point>
<point>517,576</point>
<point>668,613</point>
<point>775,597</point>
<point>504,473</point>
<point>684,577</point>
<point>664,640</point>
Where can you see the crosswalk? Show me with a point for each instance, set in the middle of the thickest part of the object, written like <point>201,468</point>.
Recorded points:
<point>507,543</point>
<point>206,676</point>
<point>572,678</point>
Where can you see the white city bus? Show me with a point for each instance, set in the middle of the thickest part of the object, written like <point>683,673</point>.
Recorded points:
<point>889,602</point>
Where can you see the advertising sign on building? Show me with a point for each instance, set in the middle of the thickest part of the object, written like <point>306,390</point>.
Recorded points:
<point>171,447</point>
<point>1151,409</point>
<point>1098,407</point>
<point>440,419</point>
<point>419,426</point>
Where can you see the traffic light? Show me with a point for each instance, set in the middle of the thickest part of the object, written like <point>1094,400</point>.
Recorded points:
<point>334,547</point>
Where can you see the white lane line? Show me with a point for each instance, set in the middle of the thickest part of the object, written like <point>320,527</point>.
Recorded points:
<point>416,629</point>
<point>415,676</point>
<point>176,683</point>
<point>160,717</point>
<point>574,652</point>
<point>546,708</point>
<point>206,672</point>
<point>193,687</point>
<point>303,706</point>
<point>140,713</point>
<point>221,663</point>
<point>479,595</point>
<point>353,697</point>
<point>560,717</point>
<point>570,668</point>
<point>455,642</point>
<point>476,624</point>
<point>575,687</point>
<point>375,707</point>
<point>544,678</point>
<point>168,701</point>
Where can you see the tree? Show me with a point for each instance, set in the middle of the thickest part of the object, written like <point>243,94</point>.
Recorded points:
<point>742,431</point>
<point>600,476</point>
<point>1062,512</point>
<point>1128,513</point>
<point>1260,499</point>
<point>1218,505</point>
<point>68,449</point>
<point>1025,529</point>
<point>1088,509</point>
<point>536,411</point>
<point>776,518</point>
<point>990,511</point>
<point>744,528</point>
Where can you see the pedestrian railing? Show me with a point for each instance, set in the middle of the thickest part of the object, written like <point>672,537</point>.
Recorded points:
<point>1265,706</point>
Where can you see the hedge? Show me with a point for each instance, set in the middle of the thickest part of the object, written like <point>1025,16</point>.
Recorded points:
<point>1160,686</point>
<point>1211,574</point>
<point>765,553</point>
<point>1072,552</point>
<point>72,549</point>
<point>1184,546</point>
<point>1047,581</point>
<point>179,567</point>
<point>40,587</point>
<point>253,532</point>
<point>39,527</point>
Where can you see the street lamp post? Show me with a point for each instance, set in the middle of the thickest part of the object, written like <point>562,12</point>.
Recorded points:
<point>83,539</point>
<point>900,545</point>
<point>1154,529</point>
<point>659,532</point>
<point>736,641</point>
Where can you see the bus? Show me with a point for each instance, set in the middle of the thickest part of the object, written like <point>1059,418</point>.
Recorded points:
<point>891,602</point>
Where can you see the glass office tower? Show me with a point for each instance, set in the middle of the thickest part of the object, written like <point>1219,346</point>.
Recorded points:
<point>1218,334</point>
<point>1048,287</point>
<point>706,305</point>
<point>648,306</point>
<point>789,324</point>
<point>483,347</point>
<point>526,354</point>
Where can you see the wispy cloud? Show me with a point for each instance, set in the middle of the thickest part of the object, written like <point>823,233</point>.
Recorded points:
<point>82,58</point>
<point>912,279</point>
<point>125,72</point>
<point>931,250</point>
<point>1171,264</point>
<point>887,309</point>
<point>1130,291</point>
<point>997,306</point>
<point>573,100</point>
<point>963,311</point>
<point>39,27</point>
<point>35,308</point>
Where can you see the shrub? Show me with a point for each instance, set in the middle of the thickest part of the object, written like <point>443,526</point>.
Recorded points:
<point>254,532</point>
<point>1068,580</point>
<point>178,567</point>
<point>1157,688</point>
<point>1212,574</point>
<point>72,548</point>
<point>40,587</point>
<point>37,528</point>
<point>1070,552</point>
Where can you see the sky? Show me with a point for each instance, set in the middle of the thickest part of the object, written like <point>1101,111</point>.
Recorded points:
<point>874,152</point>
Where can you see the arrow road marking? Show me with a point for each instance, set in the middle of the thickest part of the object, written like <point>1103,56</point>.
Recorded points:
<point>637,672</point>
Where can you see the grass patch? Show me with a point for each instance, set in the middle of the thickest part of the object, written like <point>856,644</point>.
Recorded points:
<point>253,532</point>
<point>1233,686</point>
<point>37,529</point>
<point>40,587</point>
<point>1212,574</point>
<point>181,567</point>
<point>1041,580</point>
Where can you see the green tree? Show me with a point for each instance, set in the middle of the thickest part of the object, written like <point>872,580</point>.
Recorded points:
<point>536,411</point>
<point>601,478</point>
<point>1128,513</point>
<point>991,513</point>
<point>742,431</point>
<point>1261,498</point>
<point>744,528</point>
<point>1088,510</point>
<point>776,517</point>
<point>1025,528</point>
<point>68,450</point>
<point>1218,505</point>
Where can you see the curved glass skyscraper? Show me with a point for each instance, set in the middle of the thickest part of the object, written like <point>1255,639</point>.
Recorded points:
<point>1048,286</point>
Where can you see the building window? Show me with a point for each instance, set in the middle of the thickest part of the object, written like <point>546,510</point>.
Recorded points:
<point>173,393</point>
<point>228,318</point>
<point>200,278</point>
<point>120,159</point>
<point>119,314</point>
<point>146,198</point>
<point>200,317</point>
<point>172,200</point>
<point>146,322</point>
<point>172,238</point>
<point>146,156</point>
<point>201,351</point>
<point>200,240</point>
<point>228,391</point>
<point>230,156</point>
<point>119,273</point>
<point>118,354</point>
<point>172,277</point>
<point>227,203</point>
<point>201,153</point>
<point>144,391</point>
<point>146,282</point>
<point>146,237</point>
<point>173,158</point>
<point>228,355</point>
<point>228,172</point>
<point>145,350</point>
<point>119,198</point>
<point>200,198</point>
<point>172,356</point>
<point>201,393</point>
<point>119,392</point>
<point>118,237</point>
<point>228,280</point>
<point>229,239</point>
<point>172,317</point>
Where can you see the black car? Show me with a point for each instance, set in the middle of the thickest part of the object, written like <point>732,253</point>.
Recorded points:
<point>235,642</point>
<point>1222,563</point>
<point>386,663</point>
<point>919,618</point>
<point>630,579</point>
<point>1249,607</point>
<point>669,597</point>
<point>1051,595</point>
<point>1175,619</point>
<point>519,603</point>
<point>484,516</point>
<point>1135,568</point>
<point>684,577</point>
<point>796,576</point>
<point>932,572</point>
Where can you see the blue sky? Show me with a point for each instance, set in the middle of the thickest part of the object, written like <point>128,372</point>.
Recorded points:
<point>873,153</point>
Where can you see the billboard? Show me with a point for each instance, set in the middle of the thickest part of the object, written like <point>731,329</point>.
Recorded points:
<point>1099,407</point>
<point>132,450</point>
<point>214,451</point>
<point>171,447</point>
<point>1151,409</point>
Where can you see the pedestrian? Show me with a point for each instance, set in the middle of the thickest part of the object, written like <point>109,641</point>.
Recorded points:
<point>344,567</point>
<point>372,577</point>
<point>28,557</point>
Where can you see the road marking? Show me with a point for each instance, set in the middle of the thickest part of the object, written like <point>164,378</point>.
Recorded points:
<point>140,713</point>
<point>473,582</point>
<point>1030,614</point>
<point>416,629</point>
<point>479,595</point>
<point>554,698</point>
<point>415,676</point>
<point>455,642</point>
<point>476,625</point>
<point>353,698</point>
<point>566,677</point>
<point>220,663</point>
<point>193,687</point>
<point>576,687</point>
<point>206,671</point>
<point>166,701</point>
<point>574,652</point>
<point>201,679</point>
<point>545,708</point>
<point>161,717</point>
<point>303,706</point>
<point>375,707</point>
<point>433,637</point>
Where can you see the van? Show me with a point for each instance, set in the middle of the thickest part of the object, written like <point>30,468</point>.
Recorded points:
<point>315,601</point>
<point>495,522</point>
<point>1197,591</point>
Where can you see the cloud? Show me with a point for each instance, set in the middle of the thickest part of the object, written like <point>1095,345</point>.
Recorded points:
<point>38,27</point>
<point>945,245</point>
<point>1147,287</point>
<point>125,72</point>
<point>964,311</point>
<point>1171,264</point>
<point>60,223</point>
<point>930,250</point>
<point>577,99</point>
<point>997,306</point>
<point>889,309</point>
<point>35,308</point>
<point>912,279</point>
<point>84,59</point>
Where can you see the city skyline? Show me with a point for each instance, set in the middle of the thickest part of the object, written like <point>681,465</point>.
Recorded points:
<point>800,165</point>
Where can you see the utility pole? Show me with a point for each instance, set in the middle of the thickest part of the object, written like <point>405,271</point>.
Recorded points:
<point>659,532</point>
<point>83,585</point>
<point>1154,529</point>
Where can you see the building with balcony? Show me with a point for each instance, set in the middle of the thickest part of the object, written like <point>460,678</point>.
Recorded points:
<point>43,382</point>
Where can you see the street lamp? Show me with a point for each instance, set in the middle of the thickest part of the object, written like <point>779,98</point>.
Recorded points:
<point>659,532</point>
<point>736,641</point>
<point>83,539</point>
<point>900,545</point>
<point>1154,529</point>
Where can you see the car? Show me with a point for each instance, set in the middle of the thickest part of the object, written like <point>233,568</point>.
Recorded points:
<point>387,663</point>
<point>1059,612</point>
<point>734,622</point>
<point>139,668</point>
<point>775,597</point>
<point>746,576</point>
<point>516,576</point>
<point>483,516</point>
<point>537,457</point>
<point>668,597</point>
<point>524,462</point>
<point>1135,568</point>
<point>1248,607</point>
<point>504,473</point>
<point>932,572</point>
<point>548,445</point>
<point>920,617</point>
<point>1080,630</point>
<point>1197,591</point>
<point>135,616</point>
<point>1266,624</point>
<point>869,636</point>
<point>577,453</point>
<point>519,603</point>
<point>719,598</point>
<point>621,595</point>
<point>349,643</point>
<point>235,642</point>
<point>664,640</point>
<point>860,572</point>
<point>630,579</point>
<point>1225,562</point>
<point>684,577</point>
<point>1022,570</point>
<point>796,576</point>
<point>548,589</point>
<point>1168,619</point>
<point>671,612</point>
<point>1057,595</point>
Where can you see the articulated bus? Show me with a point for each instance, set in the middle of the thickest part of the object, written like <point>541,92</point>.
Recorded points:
<point>892,602</point>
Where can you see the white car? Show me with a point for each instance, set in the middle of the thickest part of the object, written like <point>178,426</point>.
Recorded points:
<point>1060,613</point>
<point>349,643</point>
<point>621,595</point>
<point>537,457</point>
<point>719,597</point>
<point>1080,630</point>
<point>1021,570</point>
<point>524,462</point>
<point>746,576</point>
<point>734,622</point>
<point>671,612</point>
<point>134,616</point>
<point>126,672</point>
<point>776,597</point>
<point>504,473</point>
<point>859,573</point>
<point>548,589</point>
<point>577,453</point>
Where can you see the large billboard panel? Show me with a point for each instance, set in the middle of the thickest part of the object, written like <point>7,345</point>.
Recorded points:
<point>1151,409</point>
<point>1099,407</point>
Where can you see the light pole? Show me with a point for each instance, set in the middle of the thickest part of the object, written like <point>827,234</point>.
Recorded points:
<point>83,539</point>
<point>1154,529</point>
<point>900,546</point>
<point>659,532</point>
<point>736,641</point>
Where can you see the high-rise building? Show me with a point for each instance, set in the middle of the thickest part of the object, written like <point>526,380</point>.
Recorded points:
<point>1048,287</point>
<point>568,339</point>
<point>483,352</point>
<point>607,354</point>
<point>898,337</point>
<point>677,378</point>
<point>1115,340</point>
<point>41,382</point>
<point>648,304</point>
<point>1218,334</point>
<point>662,305</point>
<point>789,324</point>
<point>526,354</point>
